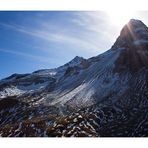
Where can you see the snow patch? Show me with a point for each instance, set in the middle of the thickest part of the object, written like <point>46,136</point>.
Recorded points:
<point>10,91</point>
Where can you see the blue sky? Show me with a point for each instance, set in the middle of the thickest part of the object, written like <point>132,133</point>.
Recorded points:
<point>33,40</point>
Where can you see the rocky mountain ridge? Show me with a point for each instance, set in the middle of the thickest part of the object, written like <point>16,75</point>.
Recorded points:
<point>104,95</point>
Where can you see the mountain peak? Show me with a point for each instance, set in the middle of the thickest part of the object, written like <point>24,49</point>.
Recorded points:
<point>76,60</point>
<point>133,32</point>
<point>132,27</point>
<point>134,40</point>
<point>136,23</point>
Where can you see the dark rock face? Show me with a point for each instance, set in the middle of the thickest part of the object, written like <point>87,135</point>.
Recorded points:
<point>133,59</point>
<point>104,96</point>
<point>8,103</point>
<point>135,30</point>
<point>134,39</point>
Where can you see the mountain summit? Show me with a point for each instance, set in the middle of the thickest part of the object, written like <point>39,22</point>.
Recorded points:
<point>134,39</point>
<point>106,95</point>
<point>134,33</point>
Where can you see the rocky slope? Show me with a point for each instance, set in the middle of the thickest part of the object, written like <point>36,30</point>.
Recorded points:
<point>106,95</point>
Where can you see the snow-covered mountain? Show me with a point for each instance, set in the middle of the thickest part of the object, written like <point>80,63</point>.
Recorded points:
<point>18,84</point>
<point>104,95</point>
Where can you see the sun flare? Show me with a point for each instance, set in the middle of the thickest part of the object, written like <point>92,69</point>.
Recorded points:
<point>120,18</point>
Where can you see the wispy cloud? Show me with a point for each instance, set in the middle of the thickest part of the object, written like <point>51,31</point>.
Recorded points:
<point>87,31</point>
<point>97,23</point>
<point>27,55</point>
<point>58,37</point>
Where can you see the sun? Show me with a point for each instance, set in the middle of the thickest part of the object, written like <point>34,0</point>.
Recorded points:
<point>120,18</point>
